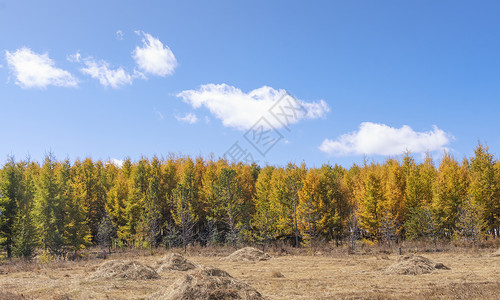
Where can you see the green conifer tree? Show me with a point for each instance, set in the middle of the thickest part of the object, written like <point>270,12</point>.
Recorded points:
<point>152,209</point>
<point>48,209</point>
<point>10,195</point>
<point>265,220</point>
<point>484,190</point>
<point>24,230</point>
<point>77,233</point>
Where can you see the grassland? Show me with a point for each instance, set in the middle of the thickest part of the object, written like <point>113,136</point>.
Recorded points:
<point>474,274</point>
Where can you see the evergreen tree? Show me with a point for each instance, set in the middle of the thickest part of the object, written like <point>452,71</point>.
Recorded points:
<point>334,202</point>
<point>77,234</point>
<point>97,200</point>
<point>199,204</point>
<point>427,176</point>
<point>24,230</point>
<point>185,201</point>
<point>288,184</point>
<point>91,180</point>
<point>309,208</point>
<point>353,227</point>
<point>484,189</point>
<point>127,168</point>
<point>10,195</point>
<point>267,212</point>
<point>353,181</point>
<point>450,190</point>
<point>183,212</point>
<point>105,232</point>
<point>131,232</point>
<point>48,209</point>
<point>394,199</point>
<point>168,183</point>
<point>117,198</point>
<point>419,220</point>
<point>370,206</point>
<point>136,230</point>
<point>388,227</point>
<point>469,223</point>
<point>420,224</point>
<point>246,183</point>
<point>229,199</point>
<point>208,188</point>
<point>152,209</point>
<point>213,226</point>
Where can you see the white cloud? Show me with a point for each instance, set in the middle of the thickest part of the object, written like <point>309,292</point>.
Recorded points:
<point>241,110</point>
<point>189,118</point>
<point>139,74</point>
<point>153,57</point>
<point>75,58</point>
<point>380,139</point>
<point>107,77</point>
<point>34,70</point>
<point>119,35</point>
<point>116,162</point>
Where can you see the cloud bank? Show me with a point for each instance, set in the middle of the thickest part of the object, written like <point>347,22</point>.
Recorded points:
<point>380,139</point>
<point>241,110</point>
<point>33,70</point>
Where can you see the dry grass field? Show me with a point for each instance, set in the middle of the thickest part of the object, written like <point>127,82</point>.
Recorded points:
<point>473,274</point>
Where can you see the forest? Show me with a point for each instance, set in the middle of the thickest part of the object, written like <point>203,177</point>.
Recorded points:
<point>63,207</point>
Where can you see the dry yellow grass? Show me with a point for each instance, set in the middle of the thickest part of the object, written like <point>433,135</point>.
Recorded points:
<point>473,275</point>
<point>208,283</point>
<point>174,262</point>
<point>119,269</point>
<point>247,254</point>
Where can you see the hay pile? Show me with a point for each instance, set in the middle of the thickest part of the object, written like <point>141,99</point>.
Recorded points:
<point>247,254</point>
<point>174,262</point>
<point>131,270</point>
<point>208,283</point>
<point>414,265</point>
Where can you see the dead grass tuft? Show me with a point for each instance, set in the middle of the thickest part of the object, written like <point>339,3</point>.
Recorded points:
<point>131,270</point>
<point>208,283</point>
<point>247,254</point>
<point>212,272</point>
<point>414,265</point>
<point>496,254</point>
<point>175,262</point>
<point>277,274</point>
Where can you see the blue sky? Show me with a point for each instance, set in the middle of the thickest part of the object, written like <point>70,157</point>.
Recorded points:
<point>111,79</point>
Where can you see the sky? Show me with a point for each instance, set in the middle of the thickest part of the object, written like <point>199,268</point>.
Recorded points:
<point>264,81</point>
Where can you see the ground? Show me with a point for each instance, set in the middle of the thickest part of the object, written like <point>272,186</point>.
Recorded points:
<point>473,274</point>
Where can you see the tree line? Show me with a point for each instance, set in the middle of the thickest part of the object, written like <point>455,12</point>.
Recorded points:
<point>64,207</point>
